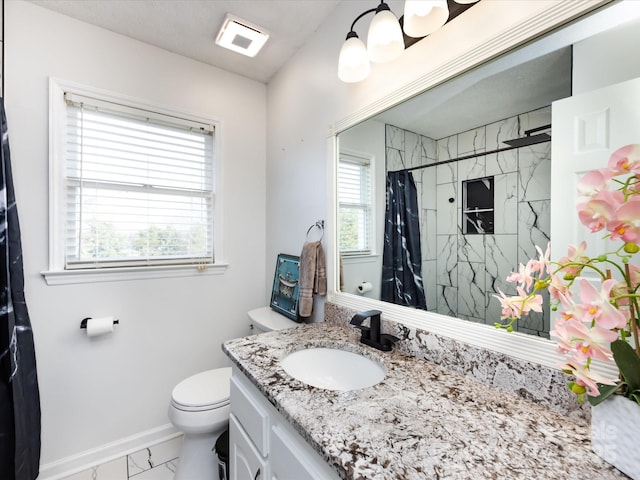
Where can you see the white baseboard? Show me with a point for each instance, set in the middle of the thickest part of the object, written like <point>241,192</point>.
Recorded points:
<point>106,453</point>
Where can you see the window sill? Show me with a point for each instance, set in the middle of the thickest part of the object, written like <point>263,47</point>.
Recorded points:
<point>67,277</point>
<point>360,258</point>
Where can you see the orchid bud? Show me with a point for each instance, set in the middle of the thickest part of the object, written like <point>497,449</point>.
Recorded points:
<point>631,247</point>
<point>540,285</point>
<point>602,258</point>
<point>568,277</point>
<point>577,389</point>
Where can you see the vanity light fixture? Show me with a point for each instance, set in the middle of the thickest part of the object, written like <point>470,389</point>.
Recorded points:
<point>422,17</point>
<point>385,40</point>
<point>241,36</point>
<point>385,43</point>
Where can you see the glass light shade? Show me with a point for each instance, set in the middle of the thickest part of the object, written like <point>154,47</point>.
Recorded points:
<point>353,63</point>
<point>422,17</point>
<point>385,41</point>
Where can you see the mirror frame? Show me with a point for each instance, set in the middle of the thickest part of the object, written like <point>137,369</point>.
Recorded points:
<point>538,18</point>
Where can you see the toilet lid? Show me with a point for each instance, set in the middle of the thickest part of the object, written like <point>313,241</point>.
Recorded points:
<point>203,389</point>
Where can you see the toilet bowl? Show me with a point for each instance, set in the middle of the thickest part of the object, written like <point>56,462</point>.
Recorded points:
<point>200,407</point>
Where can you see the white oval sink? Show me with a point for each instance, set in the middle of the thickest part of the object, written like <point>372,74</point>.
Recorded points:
<point>332,368</point>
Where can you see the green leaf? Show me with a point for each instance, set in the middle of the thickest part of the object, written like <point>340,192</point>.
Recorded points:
<point>605,392</point>
<point>628,362</point>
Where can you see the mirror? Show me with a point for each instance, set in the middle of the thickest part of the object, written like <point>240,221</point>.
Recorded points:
<point>482,187</point>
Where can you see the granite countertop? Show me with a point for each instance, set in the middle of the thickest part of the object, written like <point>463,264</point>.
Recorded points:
<point>421,422</point>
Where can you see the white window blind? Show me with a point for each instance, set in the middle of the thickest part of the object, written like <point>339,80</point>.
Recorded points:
<point>138,187</point>
<point>355,205</point>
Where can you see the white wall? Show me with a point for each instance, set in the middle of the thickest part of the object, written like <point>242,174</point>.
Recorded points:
<point>100,391</point>
<point>368,139</point>
<point>105,389</point>
<point>306,97</point>
<point>605,59</point>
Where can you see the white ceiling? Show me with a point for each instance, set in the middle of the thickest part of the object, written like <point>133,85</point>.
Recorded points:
<point>485,95</point>
<point>189,27</point>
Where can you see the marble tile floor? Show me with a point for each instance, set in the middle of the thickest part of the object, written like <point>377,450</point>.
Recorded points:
<point>157,462</point>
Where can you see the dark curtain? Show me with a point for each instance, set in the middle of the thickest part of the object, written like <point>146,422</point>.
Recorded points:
<point>402,258</point>
<point>19,396</point>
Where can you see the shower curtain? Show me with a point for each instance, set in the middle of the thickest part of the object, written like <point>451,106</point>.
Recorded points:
<point>402,259</point>
<point>19,396</point>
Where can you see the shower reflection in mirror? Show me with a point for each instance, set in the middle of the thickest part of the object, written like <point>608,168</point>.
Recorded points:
<point>482,207</point>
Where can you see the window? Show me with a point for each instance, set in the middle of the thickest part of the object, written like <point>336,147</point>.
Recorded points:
<point>132,186</point>
<point>355,204</point>
<point>477,216</point>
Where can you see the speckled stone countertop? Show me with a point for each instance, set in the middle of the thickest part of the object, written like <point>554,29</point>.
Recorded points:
<point>421,422</point>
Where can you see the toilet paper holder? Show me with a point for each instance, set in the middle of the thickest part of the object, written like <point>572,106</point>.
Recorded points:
<point>83,323</point>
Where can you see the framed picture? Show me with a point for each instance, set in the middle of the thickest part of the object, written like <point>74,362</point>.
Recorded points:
<point>286,288</point>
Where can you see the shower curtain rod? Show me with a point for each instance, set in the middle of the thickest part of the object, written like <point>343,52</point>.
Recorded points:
<point>534,141</point>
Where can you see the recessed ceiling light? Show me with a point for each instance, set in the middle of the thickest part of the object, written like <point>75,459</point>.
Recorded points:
<point>241,36</point>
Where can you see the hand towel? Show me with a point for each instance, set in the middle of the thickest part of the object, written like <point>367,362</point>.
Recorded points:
<point>313,276</point>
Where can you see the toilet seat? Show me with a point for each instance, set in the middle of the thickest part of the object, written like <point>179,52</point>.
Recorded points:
<point>203,391</point>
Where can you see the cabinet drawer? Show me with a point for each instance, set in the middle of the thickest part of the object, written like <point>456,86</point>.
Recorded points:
<point>252,416</point>
<point>245,461</point>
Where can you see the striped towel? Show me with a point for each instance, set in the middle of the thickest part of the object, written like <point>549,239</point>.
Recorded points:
<point>313,276</point>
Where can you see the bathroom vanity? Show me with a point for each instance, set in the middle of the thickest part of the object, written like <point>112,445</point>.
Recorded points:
<point>263,444</point>
<point>421,421</point>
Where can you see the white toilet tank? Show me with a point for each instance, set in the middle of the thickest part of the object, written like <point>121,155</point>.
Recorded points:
<point>264,319</point>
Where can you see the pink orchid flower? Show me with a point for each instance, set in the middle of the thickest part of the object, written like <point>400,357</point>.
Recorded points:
<point>557,288</point>
<point>593,182</point>
<point>597,306</point>
<point>543,262</point>
<point>518,305</point>
<point>524,275</point>
<point>529,302</point>
<point>583,342</point>
<point>574,255</point>
<point>563,334</point>
<point>600,209</point>
<point>625,160</point>
<point>570,309</point>
<point>625,224</point>
<point>585,377</point>
<point>509,306</point>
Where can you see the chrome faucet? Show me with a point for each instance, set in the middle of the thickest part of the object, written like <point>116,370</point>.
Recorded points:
<point>371,335</point>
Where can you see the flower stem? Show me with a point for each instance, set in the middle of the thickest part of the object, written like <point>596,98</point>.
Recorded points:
<point>633,324</point>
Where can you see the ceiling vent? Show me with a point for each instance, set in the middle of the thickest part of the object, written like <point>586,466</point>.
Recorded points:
<point>241,36</point>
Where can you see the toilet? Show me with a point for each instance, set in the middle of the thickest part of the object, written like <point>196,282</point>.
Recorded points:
<point>264,319</point>
<point>200,407</point>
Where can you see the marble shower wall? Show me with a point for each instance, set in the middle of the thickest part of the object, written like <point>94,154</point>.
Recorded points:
<point>462,272</point>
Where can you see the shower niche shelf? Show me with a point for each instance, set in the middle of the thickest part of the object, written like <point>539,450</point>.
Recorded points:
<point>478,201</point>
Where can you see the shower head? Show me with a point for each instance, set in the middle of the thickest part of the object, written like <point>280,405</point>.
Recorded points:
<point>529,139</point>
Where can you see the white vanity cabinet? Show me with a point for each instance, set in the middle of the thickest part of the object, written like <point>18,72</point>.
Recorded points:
<point>262,445</point>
